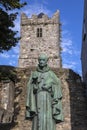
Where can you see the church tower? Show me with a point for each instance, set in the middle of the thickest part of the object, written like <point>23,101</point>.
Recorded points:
<point>40,34</point>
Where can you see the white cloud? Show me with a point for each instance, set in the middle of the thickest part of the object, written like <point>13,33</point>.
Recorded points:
<point>16,50</point>
<point>36,8</point>
<point>70,65</point>
<point>4,55</point>
<point>70,53</point>
<point>66,45</point>
<point>17,25</point>
<point>12,63</point>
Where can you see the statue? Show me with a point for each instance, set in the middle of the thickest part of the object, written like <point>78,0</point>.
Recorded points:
<point>44,96</point>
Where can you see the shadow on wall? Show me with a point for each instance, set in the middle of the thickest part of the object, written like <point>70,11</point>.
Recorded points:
<point>8,79</point>
<point>78,103</point>
<point>14,123</point>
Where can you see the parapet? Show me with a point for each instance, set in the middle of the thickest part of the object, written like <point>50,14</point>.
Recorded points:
<point>40,19</point>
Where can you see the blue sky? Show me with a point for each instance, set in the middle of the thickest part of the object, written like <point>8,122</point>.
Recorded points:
<point>71,16</point>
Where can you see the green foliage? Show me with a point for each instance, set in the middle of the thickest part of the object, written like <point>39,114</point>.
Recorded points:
<point>8,37</point>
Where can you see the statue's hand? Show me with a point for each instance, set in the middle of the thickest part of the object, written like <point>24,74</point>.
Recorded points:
<point>44,86</point>
<point>35,89</point>
<point>47,87</point>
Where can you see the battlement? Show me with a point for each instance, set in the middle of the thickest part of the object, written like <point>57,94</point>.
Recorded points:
<point>40,34</point>
<point>40,19</point>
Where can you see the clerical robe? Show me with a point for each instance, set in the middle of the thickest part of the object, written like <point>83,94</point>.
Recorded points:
<point>44,96</point>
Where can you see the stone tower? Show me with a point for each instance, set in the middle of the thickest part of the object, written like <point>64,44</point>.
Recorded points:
<point>40,34</point>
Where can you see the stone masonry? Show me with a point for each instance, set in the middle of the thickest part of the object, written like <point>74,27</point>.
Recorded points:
<point>40,34</point>
<point>84,45</point>
<point>6,101</point>
<point>74,101</point>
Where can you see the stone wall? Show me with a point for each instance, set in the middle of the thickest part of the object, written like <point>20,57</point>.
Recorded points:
<point>32,46</point>
<point>74,102</point>
<point>84,45</point>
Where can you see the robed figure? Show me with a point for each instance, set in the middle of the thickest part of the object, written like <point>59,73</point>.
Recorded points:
<point>44,96</point>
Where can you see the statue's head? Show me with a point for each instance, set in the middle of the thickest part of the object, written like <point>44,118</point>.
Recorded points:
<point>43,59</point>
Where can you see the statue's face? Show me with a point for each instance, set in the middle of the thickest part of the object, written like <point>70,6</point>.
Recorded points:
<point>42,61</point>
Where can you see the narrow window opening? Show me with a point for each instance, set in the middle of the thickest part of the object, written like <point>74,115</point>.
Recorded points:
<point>84,37</point>
<point>84,31</point>
<point>39,32</point>
<point>32,49</point>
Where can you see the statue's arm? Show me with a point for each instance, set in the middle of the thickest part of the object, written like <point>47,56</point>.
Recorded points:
<point>57,89</point>
<point>57,103</point>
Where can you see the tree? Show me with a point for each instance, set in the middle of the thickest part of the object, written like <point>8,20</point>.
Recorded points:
<point>8,37</point>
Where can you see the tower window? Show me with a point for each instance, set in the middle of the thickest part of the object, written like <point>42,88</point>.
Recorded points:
<point>39,32</point>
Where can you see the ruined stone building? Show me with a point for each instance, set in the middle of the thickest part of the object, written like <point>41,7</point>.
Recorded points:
<point>40,34</point>
<point>84,44</point>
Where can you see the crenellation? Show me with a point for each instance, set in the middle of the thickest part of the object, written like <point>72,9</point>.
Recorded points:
<point>45,17</point>
<point>34,17</point>
<point>23,16</point>
<point>34,20</point>
<point>55,17</point>
<point>32,44</point>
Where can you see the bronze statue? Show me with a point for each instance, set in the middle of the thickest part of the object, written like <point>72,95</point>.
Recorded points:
<point>44,96</point>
